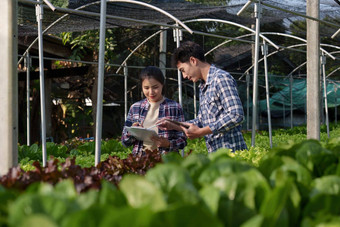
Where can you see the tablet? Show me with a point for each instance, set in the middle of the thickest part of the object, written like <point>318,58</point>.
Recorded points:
<point>179,123</point>
<point>140,133</point>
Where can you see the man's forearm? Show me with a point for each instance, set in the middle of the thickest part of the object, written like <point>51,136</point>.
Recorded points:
<point>205,131</point>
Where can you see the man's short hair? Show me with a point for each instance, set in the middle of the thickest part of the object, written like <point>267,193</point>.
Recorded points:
<point>186,50</point>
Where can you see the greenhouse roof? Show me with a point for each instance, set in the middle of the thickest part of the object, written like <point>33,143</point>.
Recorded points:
<point>179,9</point>
<point>183,10</point>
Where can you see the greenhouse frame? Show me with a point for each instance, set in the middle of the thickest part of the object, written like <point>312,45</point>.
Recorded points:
<point>83,15</point>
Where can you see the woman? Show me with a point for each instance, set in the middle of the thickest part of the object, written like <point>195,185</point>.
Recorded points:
<point>148,111</point>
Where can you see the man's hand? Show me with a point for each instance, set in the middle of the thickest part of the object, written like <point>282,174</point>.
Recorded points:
<point>164,124</point>
<point>160,141</point>
<point>195,132</point>
<point>137,124</point>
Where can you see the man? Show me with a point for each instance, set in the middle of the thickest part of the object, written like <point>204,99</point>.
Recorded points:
<point>221,113</point>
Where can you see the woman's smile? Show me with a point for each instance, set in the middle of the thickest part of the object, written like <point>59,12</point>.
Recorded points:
<point>152,89</point>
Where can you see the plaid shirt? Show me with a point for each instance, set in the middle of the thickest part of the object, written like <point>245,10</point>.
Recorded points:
<point>220,109</point>
<point>169,109</point>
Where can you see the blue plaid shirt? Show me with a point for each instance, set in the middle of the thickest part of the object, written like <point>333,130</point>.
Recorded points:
<point>169,109</point>
<point>220,109</point>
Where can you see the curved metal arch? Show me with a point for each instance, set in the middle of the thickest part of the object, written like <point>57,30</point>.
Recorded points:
<point>97,2</point>
<point>151,36</point>
<point>225,42</point>
<point>157,9</point>
<point>278,50</point>
<point>298,67</point>
<point>234,24</point>
<point>203,20</point>
<point>136,48</point>
<point>330,45</point>
<point>50,26</point>
<point>334,52</point>
<point>272,53</point>
<point>331,73</point>
<point>248,29</point>
<point>335,34</point>
<point>289,47</point>
<point>297,38</point>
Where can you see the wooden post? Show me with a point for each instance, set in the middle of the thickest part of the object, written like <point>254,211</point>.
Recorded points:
<point>8,86</point>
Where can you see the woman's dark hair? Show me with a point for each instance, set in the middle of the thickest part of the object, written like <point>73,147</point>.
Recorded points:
<point>152,72</point>
<point>186,50</point>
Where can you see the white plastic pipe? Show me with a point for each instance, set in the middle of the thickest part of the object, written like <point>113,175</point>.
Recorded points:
<point>39,14</point>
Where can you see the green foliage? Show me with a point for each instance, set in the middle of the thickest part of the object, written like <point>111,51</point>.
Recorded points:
<point>6,197</point>
<point>185,215</point>
<point>140,193</point>
<point>253,155</point>
<point>83,151</point>
<point>32,152</point>
<point>110,146</point>
<point>293,185</point>
<point>175,182</point>
<point>196,146</point>
<point>48,204</point>
<point>60,3</point>
<point>195,164</point>
<point>87,43</point>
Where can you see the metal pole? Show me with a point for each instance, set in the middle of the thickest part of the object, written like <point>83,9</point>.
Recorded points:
<point>100,88</point>
<point>335,34</point>
<point>195,101</point>
<point>162,50</point>
<point>313,71</point>
<point>259,116</point>
<point>186,95</point>
<point>257,12</point>
<point>39,14</point>
<point>284,111</point>
<point>248,93</point>
<point>8,85</point>
<point>178,37</point>
<point>49,5</point>
<point>125,91</point>
<point>243,8</point>
<point>322,118</point>
<point>323,65</point>
<point>28,110</point>
<point>306,109</point>
<point>265,52</point>
<point>291,99</point>
<point>336,106</point>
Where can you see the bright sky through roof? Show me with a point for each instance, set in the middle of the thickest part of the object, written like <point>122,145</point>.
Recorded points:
<point>327,7</point>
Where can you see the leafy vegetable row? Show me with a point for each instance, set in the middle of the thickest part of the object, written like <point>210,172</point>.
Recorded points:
<point>294,185</point>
